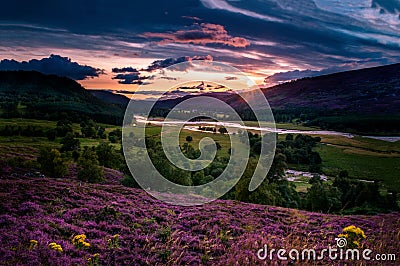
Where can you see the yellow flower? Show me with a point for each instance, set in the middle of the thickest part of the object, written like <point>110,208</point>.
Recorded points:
<point>34,242</point>
<point>55,246</point>
<point>79,241</point>
<point>349,228</point>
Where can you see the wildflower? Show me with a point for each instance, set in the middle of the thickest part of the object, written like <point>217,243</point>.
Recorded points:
<point>56,247</point>
<point>354,236</point>
<point>79,241</point>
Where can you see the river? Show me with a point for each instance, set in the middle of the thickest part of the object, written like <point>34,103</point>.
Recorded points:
<point>194,126</point>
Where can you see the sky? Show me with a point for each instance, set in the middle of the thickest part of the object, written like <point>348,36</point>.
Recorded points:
<point>118,45</point>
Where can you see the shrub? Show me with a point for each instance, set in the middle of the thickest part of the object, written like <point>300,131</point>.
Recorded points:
<point>51,163</point>
<point>88,167</point>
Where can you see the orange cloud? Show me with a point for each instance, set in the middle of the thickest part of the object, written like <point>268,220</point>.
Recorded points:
<point>203,33</point>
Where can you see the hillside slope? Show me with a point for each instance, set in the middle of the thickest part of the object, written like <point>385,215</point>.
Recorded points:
<point>152,232</point>
<point>365,101</point>
<point>365,91</point>
<point>35,95</point>
<point>110,97</point>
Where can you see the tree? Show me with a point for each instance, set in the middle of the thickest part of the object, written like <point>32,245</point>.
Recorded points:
<point>88,166</point>
<point>107,156</point>
<point>69,143</point>
<point>115,135</point>
<point>289,137</point>
<point>189,138</point>
<point>88,131</point>
<point>51,134</point>
<point>63,128</point>
<point>323,197</point>
<point>278,167</point>
<point>101,132</point>
<point>51,163</point>
<point>222,130</point>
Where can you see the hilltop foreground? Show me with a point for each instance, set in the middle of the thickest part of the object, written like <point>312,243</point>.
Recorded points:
<point>127,227</point>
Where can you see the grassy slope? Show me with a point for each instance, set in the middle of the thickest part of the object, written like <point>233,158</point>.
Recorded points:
<point>17,145</point>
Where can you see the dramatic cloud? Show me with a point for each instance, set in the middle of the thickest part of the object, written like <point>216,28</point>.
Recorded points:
<point>131,75</point>
<point>204,33</point>
<point>128,75</point>
<point>55,64</point>
<point>124,69</point>
<point>285,35</point>
<point>160,64</point>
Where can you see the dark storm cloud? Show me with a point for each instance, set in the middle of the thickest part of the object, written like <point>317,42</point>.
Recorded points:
<point>160,64</point>
<point>133,77</point>
<point>130,75</point>
<point>124,69</point>
<point>55,64</point>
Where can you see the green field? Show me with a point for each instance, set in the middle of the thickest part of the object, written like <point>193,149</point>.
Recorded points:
<point>363,158</point>
<point>13,145</point>
<point>361,166</point>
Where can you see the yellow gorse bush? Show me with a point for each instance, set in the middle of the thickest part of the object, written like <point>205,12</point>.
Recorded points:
<point>79,241</point>
<point>354,236</point>
<point>55,246</point>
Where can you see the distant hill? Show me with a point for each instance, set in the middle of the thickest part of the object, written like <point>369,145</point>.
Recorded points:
<point>110,97</point>
<point>367,91</point>
<point>361,101</point>
<point>36,95</point>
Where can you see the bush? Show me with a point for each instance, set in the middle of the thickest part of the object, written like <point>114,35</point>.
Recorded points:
<point>88,166</point>
<point>323,197</point>
<point>69,143</point>
<point>51,163</point>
